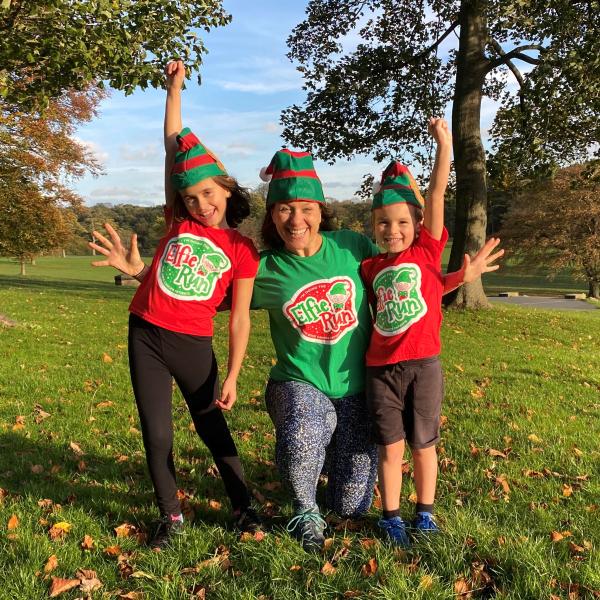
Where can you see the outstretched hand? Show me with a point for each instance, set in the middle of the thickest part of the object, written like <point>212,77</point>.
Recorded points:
<point>126,260</point>
<point>482,262</point>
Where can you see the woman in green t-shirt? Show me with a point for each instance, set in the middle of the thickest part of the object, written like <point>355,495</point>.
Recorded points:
<point>309,282</point>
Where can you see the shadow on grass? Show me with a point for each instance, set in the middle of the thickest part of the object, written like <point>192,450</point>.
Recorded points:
<point>67,285</point>
<point>99,485</point>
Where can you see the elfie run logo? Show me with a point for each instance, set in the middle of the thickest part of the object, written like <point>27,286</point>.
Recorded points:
<point>190,267</point>
<point>323,311</point>
<point>400,303</point>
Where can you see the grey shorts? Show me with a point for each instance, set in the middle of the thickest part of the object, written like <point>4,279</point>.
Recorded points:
<point>404,400</point>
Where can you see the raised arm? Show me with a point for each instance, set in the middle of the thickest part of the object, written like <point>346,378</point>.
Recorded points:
<point>239,332</point>
<point>434,206</point>
<point>175,74</point>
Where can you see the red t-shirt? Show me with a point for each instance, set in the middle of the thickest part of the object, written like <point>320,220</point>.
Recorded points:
<point>190,274</point>
<point>406,294</point>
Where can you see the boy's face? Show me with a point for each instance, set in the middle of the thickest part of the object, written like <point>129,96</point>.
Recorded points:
<point>395,227</point>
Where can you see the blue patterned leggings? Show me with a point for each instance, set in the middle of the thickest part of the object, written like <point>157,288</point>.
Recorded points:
<point>313,430</point>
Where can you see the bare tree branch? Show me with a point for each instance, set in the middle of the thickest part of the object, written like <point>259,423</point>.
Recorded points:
<point>515,53</point>
<point>509,63</point>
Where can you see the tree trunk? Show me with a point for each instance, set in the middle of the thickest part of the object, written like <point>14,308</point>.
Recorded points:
<point>594,288</point>
<point>22,262</point>
<point>469,156</point>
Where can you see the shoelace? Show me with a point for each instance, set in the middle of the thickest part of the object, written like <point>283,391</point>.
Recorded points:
<point>308,516</point>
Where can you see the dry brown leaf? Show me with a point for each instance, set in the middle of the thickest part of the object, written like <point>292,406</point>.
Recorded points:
<point>51,564</point>
<point>462,588</point>
<point>59,530</point>
<point>295,568</point>
<point>501,480</point>
<point>496,453</point>
<point>107,358</point>
<point>37,469</point>
<point>76,448</point>
<point>214,504</point>
<point>556,536</point>
<point>59,586</point>
<point>534,438</point>
<point>87,543</point>
<point>368,542</point>
<point>576,548</point>
<point>104,404</point>
<point>352,594</point>
<point>131,596</point>
<point>126,530</point>
<point>426,582</point>
<point>327,543</point>
<point>369,568</point>
<point>328,569</point>
<point>112,550</point>
<point>89,581</point>
<point>567,490</point>
<point>13,522</point>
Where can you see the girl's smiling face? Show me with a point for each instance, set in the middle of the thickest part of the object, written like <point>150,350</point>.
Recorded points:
<point>206,202</point>
<point>395,227</point>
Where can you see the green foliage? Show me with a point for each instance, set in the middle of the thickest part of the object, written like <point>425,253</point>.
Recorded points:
<point>535,405</point>
<point>48,46</point>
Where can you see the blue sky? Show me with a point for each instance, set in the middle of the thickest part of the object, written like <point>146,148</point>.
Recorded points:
<point>247,81</point>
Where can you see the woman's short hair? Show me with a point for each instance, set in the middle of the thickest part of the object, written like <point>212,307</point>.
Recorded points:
<point>238,204</point>
<point>271,238</point>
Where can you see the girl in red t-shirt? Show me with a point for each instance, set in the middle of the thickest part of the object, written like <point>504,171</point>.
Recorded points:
<point>198,261</point>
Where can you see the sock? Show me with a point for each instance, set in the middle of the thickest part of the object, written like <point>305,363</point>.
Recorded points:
<point>388,514</point>
<point>424,508</point>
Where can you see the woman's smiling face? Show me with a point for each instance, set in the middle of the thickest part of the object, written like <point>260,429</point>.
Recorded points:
<point>297,224</point>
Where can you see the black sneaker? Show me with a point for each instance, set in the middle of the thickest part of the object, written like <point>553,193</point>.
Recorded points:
<point>167,529</point>
<point>248,520</point>
<point>308,527</point>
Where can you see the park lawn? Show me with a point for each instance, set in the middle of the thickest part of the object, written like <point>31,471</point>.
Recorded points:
<point>519,464</point>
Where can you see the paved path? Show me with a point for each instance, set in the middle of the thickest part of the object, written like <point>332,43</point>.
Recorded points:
<point>555,303</point>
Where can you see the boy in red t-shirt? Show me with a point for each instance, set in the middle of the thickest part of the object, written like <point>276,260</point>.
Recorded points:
<point>404,375</point>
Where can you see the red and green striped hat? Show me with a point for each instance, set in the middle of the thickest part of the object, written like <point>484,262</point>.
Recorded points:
<point>397,185</point>
<point>292,178</point>
<point>194,162</point>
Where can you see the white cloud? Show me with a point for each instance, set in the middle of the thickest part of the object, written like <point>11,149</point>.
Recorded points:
<point>95,150</point>
<point>272,127</point>
<point>132,153</point>
<point>259,87</point>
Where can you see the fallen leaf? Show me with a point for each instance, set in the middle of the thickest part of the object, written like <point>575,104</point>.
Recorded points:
<point>59,530</point>
<point>368,542</point>
<point>328,569</point>
<point>555,536</point>
<point>76,449</point>
<point>143,575</point>
<point>567,490</point>
<point>106,358</point>
<point>13,522</point>
<point>112,550</point>
<point>37,469</point>
<point>352,594</point>
<point>327,543</point>
<point>462,588</point>
<point>87,543</point>
<point>295,568</point>
<point>104,404</point>
<point>426,582</point>
<point>51,564</point>
<point>370,568</point>
<point>89,581</point>
<point>59,586</point>
<point>576,548</point>
<point>131,596</point>
<point>214,504</point>
<point>534,438</point>
<point>496,453</point>
<point>126,530</point>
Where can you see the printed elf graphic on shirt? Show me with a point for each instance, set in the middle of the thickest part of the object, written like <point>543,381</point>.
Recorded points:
<point>323,311</point>
<point>190,267</point>
<point>400,303</point>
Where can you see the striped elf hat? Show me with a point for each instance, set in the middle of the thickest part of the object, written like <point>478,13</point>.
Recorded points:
<point>194,162</point>
<point>292,178</point>
<point>397,185</point>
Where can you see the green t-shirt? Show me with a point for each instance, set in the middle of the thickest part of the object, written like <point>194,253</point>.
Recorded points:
<point>318,312</point>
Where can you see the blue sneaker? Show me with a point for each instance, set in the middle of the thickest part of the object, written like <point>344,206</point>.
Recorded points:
<point>395,530</point>
<point>308,527</point>
<point>424,523</point>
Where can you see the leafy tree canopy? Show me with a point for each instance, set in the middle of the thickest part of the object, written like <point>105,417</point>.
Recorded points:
<point>48,46</point>
<point>377,97</point>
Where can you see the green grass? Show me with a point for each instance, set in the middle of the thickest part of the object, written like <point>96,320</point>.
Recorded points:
<point>519,459</point>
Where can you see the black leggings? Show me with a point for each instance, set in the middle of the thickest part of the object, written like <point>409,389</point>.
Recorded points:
<point>156,356</point>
